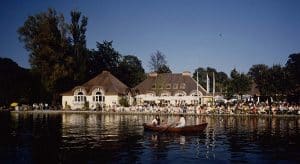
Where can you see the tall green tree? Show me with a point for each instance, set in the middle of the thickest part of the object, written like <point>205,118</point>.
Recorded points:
<point>278,81</point>
<point>104,58</point>
<point>293,74</point>
<point>221,81</point>
<point>44,35</point>
<point>239,83</point>
<point>271,81</point>
<point>77,28</point>
<point>131,71</point>
<point>260,73</point>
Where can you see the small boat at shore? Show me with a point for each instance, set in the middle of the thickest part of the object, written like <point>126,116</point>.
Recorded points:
<point>186,129</point>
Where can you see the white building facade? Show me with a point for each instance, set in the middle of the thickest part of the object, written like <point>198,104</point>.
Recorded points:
<point>171,89</point>
<point>104,90</point>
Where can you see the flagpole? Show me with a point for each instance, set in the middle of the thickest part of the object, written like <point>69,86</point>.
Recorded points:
<point>198,88</point>
<point>214,87</point>
<point>207,83</point>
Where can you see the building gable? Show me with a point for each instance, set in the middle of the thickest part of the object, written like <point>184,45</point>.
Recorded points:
<point>105,80</point>
<point>171,82</point>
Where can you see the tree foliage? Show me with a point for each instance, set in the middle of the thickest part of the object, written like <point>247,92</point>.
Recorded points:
<point>18,84</point>
<point>44,35</point>
<point>164,69</point>
<point>59,56</point>
<point>293,74</point>
<point>271,81</point>
<point>77,28</point>
<point>131,71</point>
<point>221,78</point>
<point>239,83</point>
<point>259,74</point>
<point>104,58</point>
<point>158,63</point>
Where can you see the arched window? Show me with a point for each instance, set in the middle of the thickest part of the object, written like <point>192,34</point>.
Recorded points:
<point>98,95</point>
<point>194,93</point>
<point>79,95</point>
<point>180,93</point>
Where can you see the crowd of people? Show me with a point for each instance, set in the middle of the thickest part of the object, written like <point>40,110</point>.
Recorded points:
<point>280,108</point>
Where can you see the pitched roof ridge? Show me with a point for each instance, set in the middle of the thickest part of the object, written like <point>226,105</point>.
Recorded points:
<point>112,77</point>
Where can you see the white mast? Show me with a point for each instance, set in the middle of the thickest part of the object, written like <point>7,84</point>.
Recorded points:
<point>198,88</point>
<point>214,83</point>
<point>207,83</point>
<point>214,87</point>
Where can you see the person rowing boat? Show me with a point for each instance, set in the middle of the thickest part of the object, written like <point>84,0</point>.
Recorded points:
<point>181,122</point>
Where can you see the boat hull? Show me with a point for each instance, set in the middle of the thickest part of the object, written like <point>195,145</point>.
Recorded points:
<point>186,129</point>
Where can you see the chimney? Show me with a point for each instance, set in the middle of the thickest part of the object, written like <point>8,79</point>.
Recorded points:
<point>152,74</point>
<point>186,73</point>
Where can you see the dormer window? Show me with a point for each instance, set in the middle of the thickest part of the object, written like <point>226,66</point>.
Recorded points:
<point>182,86</point>
<point>168,86</point>
<point>153,86</point>
<point>175,86</point>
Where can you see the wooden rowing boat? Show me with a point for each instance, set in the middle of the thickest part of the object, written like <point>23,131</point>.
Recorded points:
<point>186,129</point>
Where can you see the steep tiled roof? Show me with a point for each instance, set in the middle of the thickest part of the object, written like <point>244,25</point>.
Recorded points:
<point>170,79</point>
<point>105,80</point>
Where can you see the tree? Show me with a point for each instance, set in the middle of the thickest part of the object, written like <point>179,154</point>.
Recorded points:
<point>164,69</point>
<point>221,81</point>
<point>131,71</point>
<point>260,73</point>
<point>105,58</point>
<point>44,35</point>
<point>293,75</point>
<point>158,63</point>
<point>77,28</point>
<point>220,78</point>
<point>239,83</point>
<point>277,81</point>
<point>271,82</point>
<point>17,84</point>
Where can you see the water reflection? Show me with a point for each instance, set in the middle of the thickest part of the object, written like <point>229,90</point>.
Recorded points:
<point>104,138</point>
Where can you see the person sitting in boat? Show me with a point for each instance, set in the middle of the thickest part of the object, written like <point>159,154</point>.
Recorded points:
<point>181,122</point>
<point>156,121</point>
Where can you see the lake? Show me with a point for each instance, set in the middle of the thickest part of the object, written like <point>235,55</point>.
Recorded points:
<point>111,138</point>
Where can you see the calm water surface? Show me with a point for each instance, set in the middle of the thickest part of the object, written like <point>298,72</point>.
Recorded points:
<point>104,138</point>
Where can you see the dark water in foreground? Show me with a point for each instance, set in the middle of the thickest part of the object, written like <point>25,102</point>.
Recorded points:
<point>104,138</point>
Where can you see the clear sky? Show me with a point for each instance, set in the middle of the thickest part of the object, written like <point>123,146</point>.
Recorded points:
<point>223,34</point>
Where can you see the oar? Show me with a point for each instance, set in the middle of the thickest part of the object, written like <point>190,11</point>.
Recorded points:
<point>166,128</point>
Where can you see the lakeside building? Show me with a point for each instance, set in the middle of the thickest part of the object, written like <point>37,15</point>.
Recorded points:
<point>171,89</point>
<point>103,90</point>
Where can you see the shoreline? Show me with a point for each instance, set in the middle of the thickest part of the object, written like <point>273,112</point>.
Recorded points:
<point>143,113</point>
